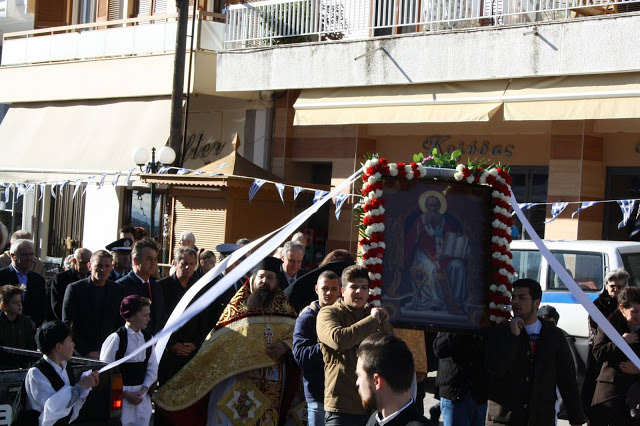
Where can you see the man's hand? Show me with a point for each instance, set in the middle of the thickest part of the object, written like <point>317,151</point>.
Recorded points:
<point>629,367</point>
<point>277,350</point>
<point>380,314</point>
<point>89,380</point>
<point>132,397</point>
<point>182,349</point>
<point>630,337</point>
<point>516,324</point>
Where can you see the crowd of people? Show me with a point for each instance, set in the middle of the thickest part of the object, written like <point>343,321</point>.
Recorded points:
<point>285,345</point>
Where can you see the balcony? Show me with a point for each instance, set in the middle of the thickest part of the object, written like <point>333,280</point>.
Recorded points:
<point>275,22</point>
<point>110,39</point>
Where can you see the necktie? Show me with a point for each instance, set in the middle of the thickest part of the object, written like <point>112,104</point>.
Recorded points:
<point>149,289</point>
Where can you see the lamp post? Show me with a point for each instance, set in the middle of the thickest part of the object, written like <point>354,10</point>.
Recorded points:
<point>166,156</point>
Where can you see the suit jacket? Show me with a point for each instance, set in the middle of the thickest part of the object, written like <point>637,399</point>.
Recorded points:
<point>37,265</point>
<point>59,284</point>
<point>35,304</point>
<point>90,329</point>
<point>134,285</point>
<point>282,279</point>
<point>410,416</point>
<point>113,277</point>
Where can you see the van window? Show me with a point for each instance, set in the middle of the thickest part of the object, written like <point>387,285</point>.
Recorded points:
<point>631,264</point>
<point>587,269</point>
<point>527,264</point>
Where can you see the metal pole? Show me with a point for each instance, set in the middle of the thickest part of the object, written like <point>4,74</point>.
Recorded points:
<point>154,169</point>
<point>175,136</point>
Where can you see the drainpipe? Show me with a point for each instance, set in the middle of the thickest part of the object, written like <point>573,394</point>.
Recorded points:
<point>175,136</point>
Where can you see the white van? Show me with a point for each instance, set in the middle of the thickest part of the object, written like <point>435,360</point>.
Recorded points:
<point>588,262</point>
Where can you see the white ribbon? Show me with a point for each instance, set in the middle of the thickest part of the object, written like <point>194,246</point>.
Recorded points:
<point>576,292</point>
<point>179,318</point>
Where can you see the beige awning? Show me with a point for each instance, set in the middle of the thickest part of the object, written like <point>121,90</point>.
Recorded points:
<point>411,103</point>
<point>584,97</point>
<point>49,142</point>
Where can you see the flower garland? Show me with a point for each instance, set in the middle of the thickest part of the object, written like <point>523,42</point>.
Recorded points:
<point>373,221</point>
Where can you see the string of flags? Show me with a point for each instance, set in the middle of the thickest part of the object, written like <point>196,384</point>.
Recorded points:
<point>100,180</point>
<point>626,206</point>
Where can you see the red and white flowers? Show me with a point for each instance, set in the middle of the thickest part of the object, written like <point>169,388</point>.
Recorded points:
<point>373,246</point>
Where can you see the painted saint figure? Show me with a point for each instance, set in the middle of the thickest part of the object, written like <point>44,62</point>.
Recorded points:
<point>435,251</point>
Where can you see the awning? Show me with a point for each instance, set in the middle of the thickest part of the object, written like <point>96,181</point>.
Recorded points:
<point>46,142</point>
<point>412,103</point>
<point>584,97</point>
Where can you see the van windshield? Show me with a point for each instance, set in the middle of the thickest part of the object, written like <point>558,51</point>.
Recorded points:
<point>631,262</point>
<point>527,264</point>
<point>587,269</point>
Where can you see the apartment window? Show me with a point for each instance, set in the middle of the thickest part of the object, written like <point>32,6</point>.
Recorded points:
<point>530,186</point>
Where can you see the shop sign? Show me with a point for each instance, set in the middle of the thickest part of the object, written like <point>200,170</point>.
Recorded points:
<point>195,148</point>
<point>485,148</point>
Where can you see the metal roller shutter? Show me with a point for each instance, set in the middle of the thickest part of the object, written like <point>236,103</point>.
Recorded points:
<point>204,216</point>
<point>258,218</point>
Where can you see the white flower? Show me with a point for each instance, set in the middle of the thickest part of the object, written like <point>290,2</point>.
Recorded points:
<point>378,193</point>
<point>492,305</point>
<point>375,291</point>
<point>375,303</point>
<point>493,288</point>
<point>493,172</point>
<point>373,261</point>
<point>498,320</point>
<point>460,167</point>
<point>374,178</point>
<point>470,179</point>
<point>501,210</point>
<point>458,176</point>
<point>393,169</point>
<point>493,318</point>
<point>483,178</point>
<point>375,276</point>
<point>422,170</point>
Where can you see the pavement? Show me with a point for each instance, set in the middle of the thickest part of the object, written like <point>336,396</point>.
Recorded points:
<point>430,401</point>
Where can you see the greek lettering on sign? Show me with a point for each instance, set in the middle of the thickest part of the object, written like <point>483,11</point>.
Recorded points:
<point>484,148</point>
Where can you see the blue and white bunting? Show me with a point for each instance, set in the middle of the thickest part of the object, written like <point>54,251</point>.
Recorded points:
<point>129,176</point>
<point>255,187</point>
<point>42,188</point>
<point>62,185</point>
<point>78,184</point>
<point>53,190</point>
<point>556,209</point>
<point>583,206</point>
<point>101,182</point>
<point>7,189</point>
<point>91,179</point>
<point>116,178</point>
<point>319,194</point>
<point>164,170</point>
<point>627,207</point>
<point>24,189</point>
<point>198,172</point>
<point>339,200</point>
<point>183,171</point>
<point>296,191</point>
<point>280,188</point>
<point>523,207</point>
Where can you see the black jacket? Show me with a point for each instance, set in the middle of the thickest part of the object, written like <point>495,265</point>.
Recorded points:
<point>59,284</point>
<point>36,304</point>
<point>522,388</point>
<point>90,329</point>
<point>407,417</point>
<point>461,368</point>
<point>131,284</point>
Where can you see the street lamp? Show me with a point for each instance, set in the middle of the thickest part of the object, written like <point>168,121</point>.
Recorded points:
<point>166,156</point>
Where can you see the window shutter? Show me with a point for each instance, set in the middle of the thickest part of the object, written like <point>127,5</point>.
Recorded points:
<point>144,8</point>
<point>202,215</point>
<point>159,7</point>
<point>102,11</point>
<point>51,13</point>
<point>258,218</point>
<point>115,10</point>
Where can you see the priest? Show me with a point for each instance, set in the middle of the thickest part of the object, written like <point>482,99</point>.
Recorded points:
<point>244,369</point>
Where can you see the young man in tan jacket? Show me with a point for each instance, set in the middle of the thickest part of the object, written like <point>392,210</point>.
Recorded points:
<point>341,328</point>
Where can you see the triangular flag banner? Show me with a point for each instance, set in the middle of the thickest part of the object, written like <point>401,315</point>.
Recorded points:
<point>523,207</point>
<point>183,171</point>
<point>116,178</point>
<point>91,179</point>
<point>556,209</point>
<point>62,185</point>
<point>280,188</point>
<point>215,174</point>
<point>7,189</point>
<point>296,191</point>
<point>164,170</point>
<point>198,172</point>
<point>255,187</point>
<point>129,176</point>
<point>102,178</point>
<point>583,206</point>
<point>339,200</point>
<point>319,194</point>
<point>627,208</point>
<point>24,189</point>
<point>42,188</point>
<point>20,191</point>
<point>53,190</point>
<point>78,185</point>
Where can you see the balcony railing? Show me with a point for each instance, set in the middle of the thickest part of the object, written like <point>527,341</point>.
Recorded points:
<point>289,21</point>
<point>107,39</point>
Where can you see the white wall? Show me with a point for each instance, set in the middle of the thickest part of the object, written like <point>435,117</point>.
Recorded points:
<point>101,214</point>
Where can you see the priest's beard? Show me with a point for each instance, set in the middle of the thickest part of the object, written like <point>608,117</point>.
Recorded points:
<point>369,403</point>
<point>260,298</point>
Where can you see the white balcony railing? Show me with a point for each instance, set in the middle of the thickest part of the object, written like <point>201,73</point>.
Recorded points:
<point>126,37</point>
<point>288,21</point>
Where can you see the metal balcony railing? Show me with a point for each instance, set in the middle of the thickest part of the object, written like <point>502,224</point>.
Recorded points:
<point>289,21</point>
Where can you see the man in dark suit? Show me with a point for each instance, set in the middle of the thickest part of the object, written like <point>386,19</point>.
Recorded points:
<point>92,305</point>
<point>121,252</point>
<point>61,280</point>
<point>292,256</point>
<point>140,281</point>
<point>385,371</point>
<point>35,304</point>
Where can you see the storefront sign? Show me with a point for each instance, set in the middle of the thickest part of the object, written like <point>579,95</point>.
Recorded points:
<point>195,148</point>
<point>475,148</point>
